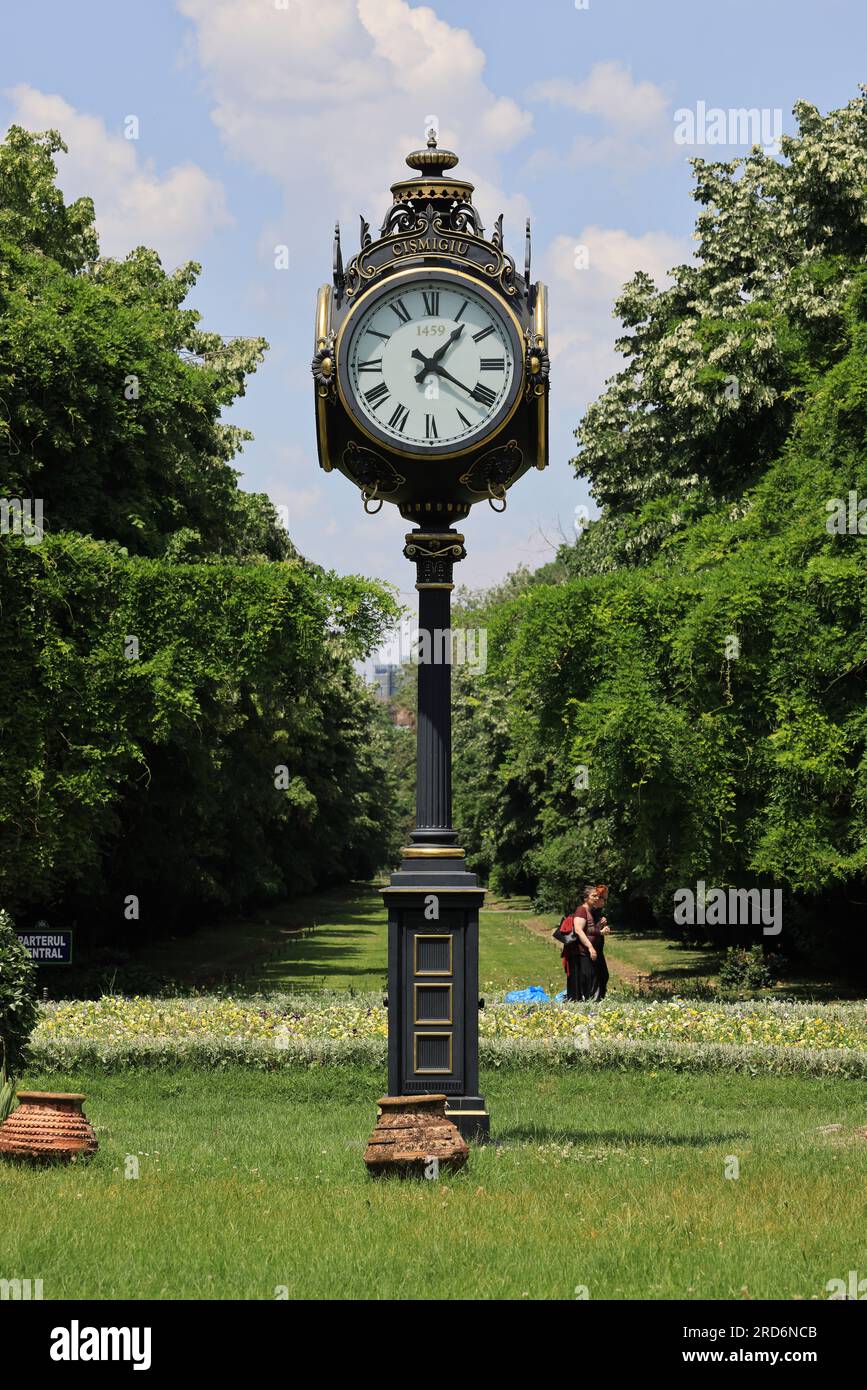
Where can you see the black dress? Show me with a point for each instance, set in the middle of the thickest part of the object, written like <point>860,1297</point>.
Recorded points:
<point>592,975</point>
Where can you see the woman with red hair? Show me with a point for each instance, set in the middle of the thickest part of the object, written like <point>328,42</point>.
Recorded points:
<point>583,936</point>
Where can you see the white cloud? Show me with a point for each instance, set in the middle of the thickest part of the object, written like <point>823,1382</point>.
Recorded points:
<point>301,502</point>
<point>331,96</point>
<point>636,126</point>
<point>134,205</point>
<point>608,91</point>
<point>583,330</point>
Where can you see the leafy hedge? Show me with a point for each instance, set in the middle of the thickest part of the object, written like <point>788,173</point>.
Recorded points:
<point>181,726</point>
<point>237,757</point>
<point>18,1008</point>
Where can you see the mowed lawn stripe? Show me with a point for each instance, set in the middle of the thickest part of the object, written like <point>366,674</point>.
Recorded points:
<point>611,1180</point>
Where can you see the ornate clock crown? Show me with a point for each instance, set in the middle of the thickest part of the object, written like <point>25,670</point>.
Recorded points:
<point>427,213</point>
<point>433,186</point>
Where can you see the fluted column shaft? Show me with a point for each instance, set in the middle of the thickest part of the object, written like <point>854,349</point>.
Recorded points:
<point>433,792</point>
<point>434,552</point>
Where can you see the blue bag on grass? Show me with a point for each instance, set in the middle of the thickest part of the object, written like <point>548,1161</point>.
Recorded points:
<point>533,994</point>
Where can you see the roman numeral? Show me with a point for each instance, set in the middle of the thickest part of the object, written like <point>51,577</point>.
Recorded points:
<point>430,427</point>
<point>376,333</point>
<point>373,364</point>
<point>461,310</point>
<point>401,310</point>
<point>483,333</point>
<point>492,364</point>
<point>431,303</point>
<point>399,418</point>
<point>483,394</point>
<point>376,395</point>
<point>464,421</point>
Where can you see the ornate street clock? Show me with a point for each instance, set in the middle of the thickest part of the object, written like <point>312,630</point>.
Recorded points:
<point>431,358</point>
<point>448,349</point>
<point>431,392</point>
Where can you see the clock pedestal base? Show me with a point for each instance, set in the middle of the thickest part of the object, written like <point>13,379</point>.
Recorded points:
<point>433,985</point>
<point>470,1116</point>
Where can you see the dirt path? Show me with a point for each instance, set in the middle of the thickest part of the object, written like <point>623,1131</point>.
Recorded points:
<point>538,927</point>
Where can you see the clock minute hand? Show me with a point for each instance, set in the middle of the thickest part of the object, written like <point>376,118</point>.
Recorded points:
<point>441,371</point>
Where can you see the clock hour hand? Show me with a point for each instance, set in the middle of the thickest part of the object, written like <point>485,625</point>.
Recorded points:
<point>430,363</point>
<point>441,352</point>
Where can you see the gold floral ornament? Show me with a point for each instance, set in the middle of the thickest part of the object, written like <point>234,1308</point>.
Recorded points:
<point>538,369</point>
<point>323,367</point>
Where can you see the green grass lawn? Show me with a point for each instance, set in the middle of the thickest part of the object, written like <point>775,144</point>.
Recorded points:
<point>347,948</point>
<point>337,940</point>
<point>610,1180</point>
<point>331,939</point>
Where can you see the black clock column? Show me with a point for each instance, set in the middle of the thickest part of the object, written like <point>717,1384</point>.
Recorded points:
<point>433,251</point>
<point>433,902</point>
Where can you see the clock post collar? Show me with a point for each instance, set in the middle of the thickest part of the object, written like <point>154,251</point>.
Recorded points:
<point>434,553</point>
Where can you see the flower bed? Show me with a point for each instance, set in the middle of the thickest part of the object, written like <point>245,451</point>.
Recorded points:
<point>298,1030</point>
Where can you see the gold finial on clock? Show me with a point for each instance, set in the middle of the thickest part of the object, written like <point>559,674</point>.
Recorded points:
<point>432,161</point>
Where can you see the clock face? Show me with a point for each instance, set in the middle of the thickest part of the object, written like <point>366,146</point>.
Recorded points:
<point>431,364</point>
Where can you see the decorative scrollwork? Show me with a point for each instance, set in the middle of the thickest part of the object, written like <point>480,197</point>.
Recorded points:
<point>371,472</point>
<point>358,273</point>
<point>462,217</point>
<point>400,219</point>
<point>434,551</point>
<point>492,474</point>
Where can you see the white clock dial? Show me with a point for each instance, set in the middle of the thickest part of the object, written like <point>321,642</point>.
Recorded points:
<point>430,364</point>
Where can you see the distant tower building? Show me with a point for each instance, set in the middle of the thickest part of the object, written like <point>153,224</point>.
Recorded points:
<point>385,679</point>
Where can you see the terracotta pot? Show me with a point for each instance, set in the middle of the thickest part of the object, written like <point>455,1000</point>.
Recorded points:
<point>410,1131</point>
<point>47,1125</point>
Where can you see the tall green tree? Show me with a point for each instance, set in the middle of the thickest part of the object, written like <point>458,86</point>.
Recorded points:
<point>690,704</point>
<point>720,362</point>
<point>110,392</point>
<point>181,726</point>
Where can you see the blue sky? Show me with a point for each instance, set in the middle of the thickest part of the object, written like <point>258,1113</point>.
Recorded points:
<point>261,121</point>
